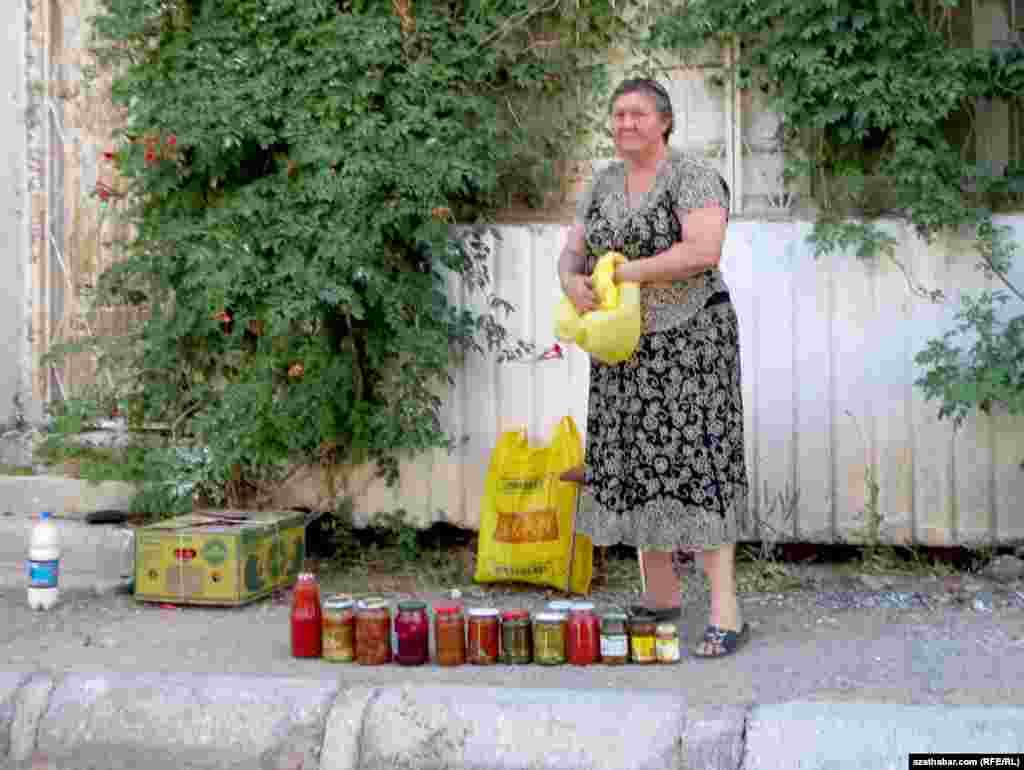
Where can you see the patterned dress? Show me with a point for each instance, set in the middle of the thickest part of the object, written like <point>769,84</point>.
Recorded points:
<point>665,467</point>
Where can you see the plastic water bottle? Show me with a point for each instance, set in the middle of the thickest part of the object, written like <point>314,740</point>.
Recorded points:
<point>43,563</point>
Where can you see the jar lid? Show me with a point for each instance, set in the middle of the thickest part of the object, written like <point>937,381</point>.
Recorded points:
<point>549,617</point>
<point>372,603</point>
<point>666,628</point>
<point>411,605</point>
<point>447,609</point>
<point>614,617</point>
<point>483,612</point>
<point>582,607</point>
<point>559,606</point>
<point>515,615</point>
<point>338,602</point>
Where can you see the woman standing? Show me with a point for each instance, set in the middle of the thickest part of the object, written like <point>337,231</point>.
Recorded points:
<point>665,469</point>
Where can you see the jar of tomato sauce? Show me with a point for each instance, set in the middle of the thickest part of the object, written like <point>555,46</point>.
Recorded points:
<point>412,629</point>
<point>307,618</point>
<point>450,634</point>
<point>484,636</point>
<point>583,635</point>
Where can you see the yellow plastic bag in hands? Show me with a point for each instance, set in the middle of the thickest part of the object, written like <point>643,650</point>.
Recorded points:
<point>611,332</point>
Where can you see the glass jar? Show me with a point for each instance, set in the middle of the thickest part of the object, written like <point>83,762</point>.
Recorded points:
<point>516,637</point>
<point>641,640</point>
<point>549,639</point>
<point>450,635</point>
<point>339,635</point>
<point>583,635</point>
<point>373,632</point>
<point>614,639</point>
<point>483,636</point>
<point>306,618</point>
<point>412,633</point>
<point>666,643</point>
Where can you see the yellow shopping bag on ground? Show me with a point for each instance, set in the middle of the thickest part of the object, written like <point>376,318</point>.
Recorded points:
<point>528,516</point>
<point>612,331</point>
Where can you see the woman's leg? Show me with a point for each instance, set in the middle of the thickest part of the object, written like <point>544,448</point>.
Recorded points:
<point>661,580</point>
<point>720,567</point>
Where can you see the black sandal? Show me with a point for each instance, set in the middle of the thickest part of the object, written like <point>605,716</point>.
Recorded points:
<point>657,614</point>
<point>725,642</point>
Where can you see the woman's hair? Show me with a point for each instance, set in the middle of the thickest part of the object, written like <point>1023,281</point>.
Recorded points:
<point>654,89</point>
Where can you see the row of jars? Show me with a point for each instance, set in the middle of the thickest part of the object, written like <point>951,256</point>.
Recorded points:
<point>567,632</point>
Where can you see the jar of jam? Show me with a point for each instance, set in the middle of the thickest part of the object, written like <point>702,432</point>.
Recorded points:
<point>412,633</point>
<point>642,639</point>
<point>373,632</point>
<point>483,636</point>
<point>614,639</point>
<point>339,634</point>
<point>549,639</point>
<point>450,635</point>
<point>307,618</point>
<point>583,634</point>
<point>666,643</point>
<point>516,637</point>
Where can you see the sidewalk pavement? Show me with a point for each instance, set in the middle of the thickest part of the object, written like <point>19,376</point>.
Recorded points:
<point>103,682</point>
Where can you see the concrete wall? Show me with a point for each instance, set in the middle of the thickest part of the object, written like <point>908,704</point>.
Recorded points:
<point>15,399</point>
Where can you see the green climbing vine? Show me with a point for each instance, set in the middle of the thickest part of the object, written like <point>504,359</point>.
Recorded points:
<point>879,103</point>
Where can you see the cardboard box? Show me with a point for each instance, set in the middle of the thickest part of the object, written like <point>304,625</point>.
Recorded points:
<point>219,557</point>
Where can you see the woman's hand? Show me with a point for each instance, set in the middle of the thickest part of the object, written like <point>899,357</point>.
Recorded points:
<point>579,288</point>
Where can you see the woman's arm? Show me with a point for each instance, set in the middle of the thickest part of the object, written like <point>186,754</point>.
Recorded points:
<point>704,230</point>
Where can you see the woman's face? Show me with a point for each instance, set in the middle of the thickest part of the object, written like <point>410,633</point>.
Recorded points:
<point>637,127</point>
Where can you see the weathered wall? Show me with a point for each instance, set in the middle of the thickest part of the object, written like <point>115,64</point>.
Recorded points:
<point>15,403</point>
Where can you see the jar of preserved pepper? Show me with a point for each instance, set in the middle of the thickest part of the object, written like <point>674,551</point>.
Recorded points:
<point>583,633</point>
<point>516,637</point>
<point>307,618</point>
<point>614,639</point>
<point>339,632</point>
<point>373,632</point>
<point>450,634</point>
<point>642,639</point>
<point>484,634</point>
<point>412,633</point>
<point>549,639</point>
<point>666,643</point>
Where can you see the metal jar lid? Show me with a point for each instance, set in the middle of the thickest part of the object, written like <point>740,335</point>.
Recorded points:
<point>666,629</point>
<point>338,602</point>
<point>549,617</point>
<point>411,605</point>
<point>518,614</point>
<point>483,612</point>
<point>581,607</point>
<point>559,606</point>
<point>372,603</point>
<point>447,609</point>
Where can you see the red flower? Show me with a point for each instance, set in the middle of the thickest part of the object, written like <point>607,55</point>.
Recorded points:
<point>108,156</point>
<point>103,193</point>
<point>172,140</point>
<point>150,157</point>
<point>223,315</point>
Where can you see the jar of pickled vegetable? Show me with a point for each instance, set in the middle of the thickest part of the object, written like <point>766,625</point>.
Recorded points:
<point>614,639</point>
<point>666,643</point>
<point>373,632</point>
<point>642,640</point>
<point>483,636</point>
<point>412,633</point>
<point>583,634</point>
<point>549,638</point>
<point>339,632</point>
<point>516,637</point>
<point>450,634</point>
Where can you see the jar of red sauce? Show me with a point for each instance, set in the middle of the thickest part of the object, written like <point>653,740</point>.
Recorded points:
<point>412,632</point>
<point>450,635</point>
<point>307,618</point>
<point>583,642</point>
<point>484,635</point>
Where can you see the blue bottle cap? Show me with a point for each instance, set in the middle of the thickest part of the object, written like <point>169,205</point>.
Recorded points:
<point>44,515</point>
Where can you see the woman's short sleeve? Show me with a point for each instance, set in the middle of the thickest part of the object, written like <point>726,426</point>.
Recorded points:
<point>583,202</point>
<point>695,185</point>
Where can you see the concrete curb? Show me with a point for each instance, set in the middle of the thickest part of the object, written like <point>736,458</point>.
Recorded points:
<point>273,723</point>
<point>95,557</point>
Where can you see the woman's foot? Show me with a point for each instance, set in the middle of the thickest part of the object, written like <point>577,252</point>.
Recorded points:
<point>725,626</point>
